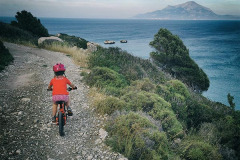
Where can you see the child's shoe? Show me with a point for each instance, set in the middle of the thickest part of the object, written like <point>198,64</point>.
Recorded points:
<point>53,119</point>
<point>70,113</point>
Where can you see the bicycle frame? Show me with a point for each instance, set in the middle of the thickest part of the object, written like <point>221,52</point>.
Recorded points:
<point>61,118</point>
<point>61,108</point>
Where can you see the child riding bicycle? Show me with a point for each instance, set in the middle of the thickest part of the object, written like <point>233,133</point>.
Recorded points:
<point>58,85</point>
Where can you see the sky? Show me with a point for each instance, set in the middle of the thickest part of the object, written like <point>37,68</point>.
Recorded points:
<point>105,8</point>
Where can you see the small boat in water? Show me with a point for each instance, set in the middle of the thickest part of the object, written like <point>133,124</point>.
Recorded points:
<point>109,42</point>
<point>123,41</point>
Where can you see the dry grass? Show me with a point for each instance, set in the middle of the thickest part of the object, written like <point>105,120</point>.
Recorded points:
<point>95,96</point>
<point>79,55</point>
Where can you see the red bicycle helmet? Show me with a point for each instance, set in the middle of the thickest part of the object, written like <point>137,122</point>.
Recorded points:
<point>58,67</point>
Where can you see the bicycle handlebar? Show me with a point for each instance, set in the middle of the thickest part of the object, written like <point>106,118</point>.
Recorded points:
<point>69,89</point>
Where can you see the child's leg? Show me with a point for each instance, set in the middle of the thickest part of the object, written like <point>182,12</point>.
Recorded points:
<point>54,109</point>
<point>68,102</point>
<point>68,108</point>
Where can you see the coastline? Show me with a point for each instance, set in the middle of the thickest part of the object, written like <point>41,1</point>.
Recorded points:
<point>203,45</point>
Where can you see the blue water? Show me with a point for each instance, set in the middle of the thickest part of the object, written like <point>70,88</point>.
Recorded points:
<point>214,45</point>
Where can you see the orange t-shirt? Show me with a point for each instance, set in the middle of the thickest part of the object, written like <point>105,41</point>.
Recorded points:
<point>60,86</point>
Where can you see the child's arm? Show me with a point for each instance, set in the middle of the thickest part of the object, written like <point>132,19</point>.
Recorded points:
<point>72,85</point>
<point>49,87</point>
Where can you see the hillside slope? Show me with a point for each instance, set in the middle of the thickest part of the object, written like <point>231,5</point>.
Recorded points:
<point>186,11</point>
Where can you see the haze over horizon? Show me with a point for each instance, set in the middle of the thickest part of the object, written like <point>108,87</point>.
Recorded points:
<point>105,8</point>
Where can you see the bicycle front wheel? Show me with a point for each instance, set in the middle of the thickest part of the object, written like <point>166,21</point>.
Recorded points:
<point>61,124</point>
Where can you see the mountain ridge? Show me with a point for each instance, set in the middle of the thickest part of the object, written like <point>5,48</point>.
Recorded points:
<point>186,11</point>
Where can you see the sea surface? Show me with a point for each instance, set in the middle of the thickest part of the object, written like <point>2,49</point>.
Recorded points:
<point>214,45</point>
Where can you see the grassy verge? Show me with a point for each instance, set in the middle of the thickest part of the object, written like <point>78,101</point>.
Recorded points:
<point>70,46</point>
<point>79,55</point>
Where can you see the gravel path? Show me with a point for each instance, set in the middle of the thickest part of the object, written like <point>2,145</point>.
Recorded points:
<point>26,131</point>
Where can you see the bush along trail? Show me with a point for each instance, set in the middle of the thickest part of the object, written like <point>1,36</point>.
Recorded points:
<point>25,111</point>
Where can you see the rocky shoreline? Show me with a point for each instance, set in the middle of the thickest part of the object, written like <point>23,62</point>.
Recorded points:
<point>25,112</point>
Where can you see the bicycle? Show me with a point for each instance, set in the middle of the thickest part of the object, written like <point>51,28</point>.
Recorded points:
<point>62,113</point>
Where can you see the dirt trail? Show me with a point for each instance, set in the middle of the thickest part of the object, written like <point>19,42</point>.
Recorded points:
<point>26,131</point>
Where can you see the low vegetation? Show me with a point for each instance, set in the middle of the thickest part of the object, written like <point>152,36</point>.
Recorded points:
<point>136,137</point>
<point>108,80</point>
<point>71,45</point>
<point>195,148</point>
<point>132,68</point>
<point>79,55</point>
<point>5,56</point>
<point>193,126</point>
<point>73,41</point>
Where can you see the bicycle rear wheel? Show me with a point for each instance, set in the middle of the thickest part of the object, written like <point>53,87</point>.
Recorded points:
<point>61,124</point>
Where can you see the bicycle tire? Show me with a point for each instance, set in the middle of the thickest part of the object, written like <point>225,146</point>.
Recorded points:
<point>61,124</point>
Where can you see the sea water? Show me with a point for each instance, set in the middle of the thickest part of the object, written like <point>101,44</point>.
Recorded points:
<point>214,45</point>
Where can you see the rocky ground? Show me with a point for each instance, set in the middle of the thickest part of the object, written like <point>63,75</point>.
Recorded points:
<point>26,131</point>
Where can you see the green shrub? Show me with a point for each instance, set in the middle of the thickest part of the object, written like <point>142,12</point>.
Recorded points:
<point>74,41</point>
<point>26,21</point>
<point>102,76</point>
<point>208,132</point>
<point>228,132</point>
<point>177,87</point>
<point>109,105</point>
<point>83,73</point>
<point>198,113</point>
<point>137,138</point>
<point>157,107</point>
<point>133,68</point>
<point>5,57</point>
<point>107,79</point>
<point>170,124</point>
<point>176,93</point>
<point>49,42</point>
<point>173,56</point>
<point>174,90</point>
<point>16,35</point>
<point>145,101</point>
<point>196,149</point>
<point>140,85</point>
<point>144,85</point>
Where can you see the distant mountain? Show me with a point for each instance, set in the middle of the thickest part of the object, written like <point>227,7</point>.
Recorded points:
<point>186,11</point>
